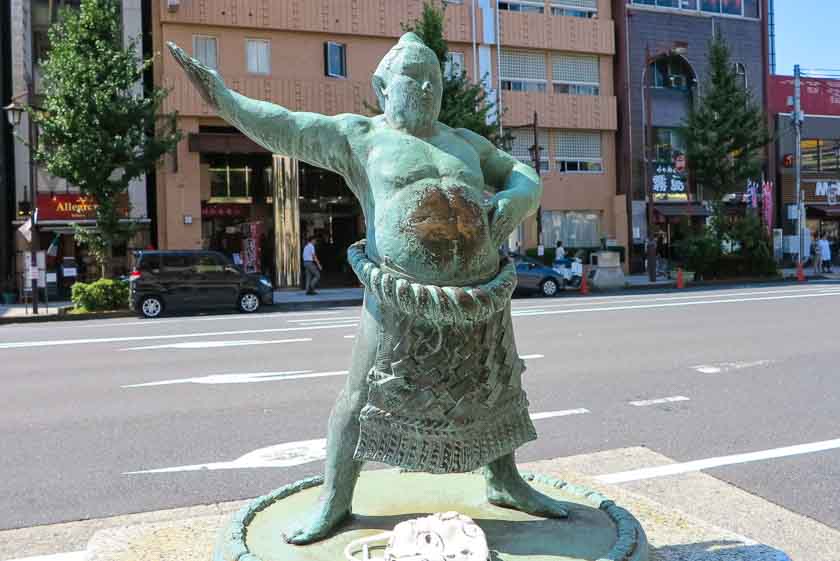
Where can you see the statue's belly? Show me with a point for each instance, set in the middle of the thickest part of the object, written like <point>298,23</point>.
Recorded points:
<point>437,232</point>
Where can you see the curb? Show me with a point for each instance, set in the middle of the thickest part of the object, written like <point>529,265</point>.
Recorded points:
<point>66,317</point>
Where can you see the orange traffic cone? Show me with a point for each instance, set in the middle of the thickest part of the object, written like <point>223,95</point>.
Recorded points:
<point>680,279</point>
<point>584,284</point>
<point>800,272</point>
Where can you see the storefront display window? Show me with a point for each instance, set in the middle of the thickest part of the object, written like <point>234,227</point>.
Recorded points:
<point>820,155</point>
<point>231,179</point>
<point>573,228</point>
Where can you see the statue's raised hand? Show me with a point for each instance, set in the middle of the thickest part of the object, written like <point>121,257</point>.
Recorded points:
<point>207,80</point>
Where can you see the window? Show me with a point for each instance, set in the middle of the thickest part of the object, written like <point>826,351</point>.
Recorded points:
<point>523,71</point>
<point>178,262</point>
<point>741,75</point>
<point>810,155</point>
<point>670,73</point>
<point>231,179</point>
<point>667,144</point>
<point>523,6</point>
<point>523,140</point>
<point>574,228</point>
<point>578,152</point>
<point>149,263</point>
<point>820,155</point>
<point>335,60</point>
<point>258,53</point>
<point>454,66</point>
<point>575,8</point>
<point>209,263</point>
<point>204,49</point>
<point>830,155</point>
<point>741,8</point>
<point>576,74</point>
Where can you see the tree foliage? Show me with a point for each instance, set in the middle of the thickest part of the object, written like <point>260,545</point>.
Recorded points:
<point>97,128</point>
<point>465,103</point>
<point>725,131</point>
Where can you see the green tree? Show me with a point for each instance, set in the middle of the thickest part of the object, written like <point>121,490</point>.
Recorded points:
<point>99,131</point>
<point>725,131</point>
<point>465,104</point>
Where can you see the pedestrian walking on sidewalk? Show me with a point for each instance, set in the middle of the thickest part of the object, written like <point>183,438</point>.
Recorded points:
<point>311,266</point>
<point>825,253</point>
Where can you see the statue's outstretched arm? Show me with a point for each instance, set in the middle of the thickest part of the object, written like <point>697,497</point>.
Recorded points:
<point>517,185</point>
<point>314,138</point>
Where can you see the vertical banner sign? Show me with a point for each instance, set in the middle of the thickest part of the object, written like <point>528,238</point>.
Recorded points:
<point>251,247</point>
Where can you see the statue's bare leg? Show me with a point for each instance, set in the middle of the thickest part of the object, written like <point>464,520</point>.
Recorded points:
<point>506,488</point>
<point>341,470</point>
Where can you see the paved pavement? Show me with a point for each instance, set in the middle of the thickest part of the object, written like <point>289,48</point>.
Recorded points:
<point>112,417</point>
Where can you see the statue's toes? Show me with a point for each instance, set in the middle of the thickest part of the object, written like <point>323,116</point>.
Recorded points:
<point>303,536</point>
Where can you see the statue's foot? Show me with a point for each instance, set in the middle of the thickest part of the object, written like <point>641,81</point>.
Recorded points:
<point>518,495</point>
<point>326,518</point>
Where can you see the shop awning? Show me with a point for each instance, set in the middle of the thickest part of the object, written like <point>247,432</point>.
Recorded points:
<point>826,211</point>
<point>677,209</point>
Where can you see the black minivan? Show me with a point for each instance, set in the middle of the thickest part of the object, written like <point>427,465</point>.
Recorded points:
<point>192,280</point>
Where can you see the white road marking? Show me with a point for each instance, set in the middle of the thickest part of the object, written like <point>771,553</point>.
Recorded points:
<point>255,377</point>
<point>324,320</point>
<point>699,465</point>
<point>294,453</point>
<point>282,455</point>
<point>676,304</point>
<point>636,298</point>
<point>729,366</point>
<point>531,357</point>
<point>552,414</point>
<point>59,342</point>
<point>243,378</point>
<point>69,556</point>
<point>217,344</point>
<point>648,402</point>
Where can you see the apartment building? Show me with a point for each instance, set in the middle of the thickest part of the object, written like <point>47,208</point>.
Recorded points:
<point>661,69</point>
<point>34,192</point>
<point>222,191</point>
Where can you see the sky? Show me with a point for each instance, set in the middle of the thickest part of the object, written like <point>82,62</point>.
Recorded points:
<point>806,34</point>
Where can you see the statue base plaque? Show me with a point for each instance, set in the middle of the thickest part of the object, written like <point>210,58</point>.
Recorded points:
<point>597,529</point>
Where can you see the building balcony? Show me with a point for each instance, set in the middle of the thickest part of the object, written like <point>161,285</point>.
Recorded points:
<point>590,112</point>
<point>376,18</point>
<point>557,33</point>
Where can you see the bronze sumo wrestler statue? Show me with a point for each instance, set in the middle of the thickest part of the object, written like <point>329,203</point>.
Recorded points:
<point>435,383</point>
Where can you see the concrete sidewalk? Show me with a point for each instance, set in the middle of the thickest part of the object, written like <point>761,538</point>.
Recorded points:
<point>689,517</point>
<point>25,310</point>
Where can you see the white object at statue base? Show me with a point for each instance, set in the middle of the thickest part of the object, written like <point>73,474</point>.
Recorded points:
<point>447,536</point>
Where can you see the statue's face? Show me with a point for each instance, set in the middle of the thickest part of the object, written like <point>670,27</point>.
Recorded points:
<point>412,96</point>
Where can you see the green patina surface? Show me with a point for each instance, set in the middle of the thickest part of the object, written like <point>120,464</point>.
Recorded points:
<point>435,380</point>
<point>596,529</point>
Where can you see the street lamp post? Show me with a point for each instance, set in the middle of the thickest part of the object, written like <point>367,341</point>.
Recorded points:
<point>14,112</point>
<point>536,157</point>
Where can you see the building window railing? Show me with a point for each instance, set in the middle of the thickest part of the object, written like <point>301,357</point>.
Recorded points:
<point>738,8</point>
<point>575,8</point>
<point>523,6</point>
<point>820,155</point>
<point>571,88</point>
<point>524,85</point>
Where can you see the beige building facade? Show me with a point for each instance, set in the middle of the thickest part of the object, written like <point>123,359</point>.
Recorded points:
<point>222,191</point>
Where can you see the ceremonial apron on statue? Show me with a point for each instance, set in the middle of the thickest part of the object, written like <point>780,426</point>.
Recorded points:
<point>445,392</point>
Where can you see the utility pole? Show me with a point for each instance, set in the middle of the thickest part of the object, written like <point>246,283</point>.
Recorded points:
<point>536,158</point>
<point>647,143</point>
<point>798,118</point>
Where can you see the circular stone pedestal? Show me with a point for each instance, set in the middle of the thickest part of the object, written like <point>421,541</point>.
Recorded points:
<point>596,529</point>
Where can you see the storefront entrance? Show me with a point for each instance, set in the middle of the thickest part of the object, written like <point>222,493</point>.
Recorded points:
<point>259,209</point>
<point>330,212</point>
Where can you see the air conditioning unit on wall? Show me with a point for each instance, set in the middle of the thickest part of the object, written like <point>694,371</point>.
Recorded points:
<point>173,5</point>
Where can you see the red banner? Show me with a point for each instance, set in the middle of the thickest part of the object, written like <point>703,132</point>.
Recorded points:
<point>70,207</point>
<point>221,210</point>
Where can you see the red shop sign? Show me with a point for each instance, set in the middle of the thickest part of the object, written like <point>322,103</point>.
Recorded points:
<point>220,210</point>
<point>70,207</point>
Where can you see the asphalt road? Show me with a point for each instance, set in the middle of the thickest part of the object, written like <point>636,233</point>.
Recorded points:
<point>82,404</point>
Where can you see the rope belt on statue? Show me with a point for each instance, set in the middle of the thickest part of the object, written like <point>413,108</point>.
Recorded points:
<point>445,304</point>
